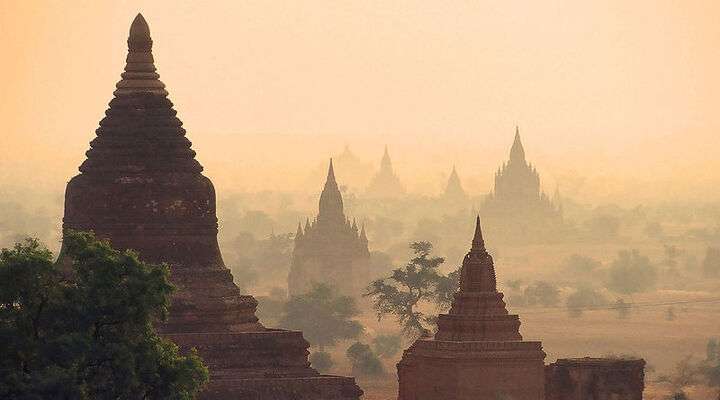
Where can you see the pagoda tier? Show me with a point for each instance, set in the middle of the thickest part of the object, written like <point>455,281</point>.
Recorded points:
<point>141,188</point>
<point>478,352</point>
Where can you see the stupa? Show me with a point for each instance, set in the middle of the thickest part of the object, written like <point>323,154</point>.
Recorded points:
<point>477,352</point>
<point>141,188</point>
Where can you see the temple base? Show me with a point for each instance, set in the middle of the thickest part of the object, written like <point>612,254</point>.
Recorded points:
<point>472,370</point>
<point>269,364</point>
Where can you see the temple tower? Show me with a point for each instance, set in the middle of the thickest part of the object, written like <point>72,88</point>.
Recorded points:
<point>517,209</point>
<point>385,184</point>
<point>478,352</point>
<point>331,249</point>
<point>141,188</point>
<point>454,192</point>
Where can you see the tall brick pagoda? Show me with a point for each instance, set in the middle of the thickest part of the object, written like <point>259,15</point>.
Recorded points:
<point>141,188</point>
<point>478,352</point>
<point>331,249</point>
<point>385,184</point>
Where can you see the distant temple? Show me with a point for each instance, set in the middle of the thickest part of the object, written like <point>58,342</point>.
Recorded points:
<point>454,192</point>
<point>385,184</point>
<point>330,249</point>
<point>477,352</point>
<point>517,208</point>
<point>142,188</point>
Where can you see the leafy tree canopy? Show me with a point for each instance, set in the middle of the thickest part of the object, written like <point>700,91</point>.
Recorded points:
<point>419,281</point>
<point>631,273</point>
<point>323,316</point>
<point>84,329</point>
<point>364,361</point>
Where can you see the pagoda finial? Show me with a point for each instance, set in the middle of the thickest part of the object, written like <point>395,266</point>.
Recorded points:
<point>299,232</point>
<point>331,172</point>
<point>517,153</point>
<point>478,242</point>
<point>139,38</point>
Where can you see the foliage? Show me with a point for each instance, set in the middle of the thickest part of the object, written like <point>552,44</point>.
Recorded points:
<point>582,299</point>
<point>685,373</point>
<point>271,255</point>
<point>387,346</point>
<point>364,362</point>
<point>323,316</point>
<point>631,273</point>
<point>321,361</point>
<point>84,329</point>
<point>603,226</point>
<point>541,293</point>
<point>419,281</point>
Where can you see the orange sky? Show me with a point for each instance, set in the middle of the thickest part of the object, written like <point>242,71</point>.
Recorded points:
<point>623,93</point>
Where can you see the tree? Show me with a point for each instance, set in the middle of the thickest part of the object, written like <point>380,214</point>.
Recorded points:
<point>408,287</point>
<point>387,346</point>
<point>542,293</point>
<point>582,299</point>
<point>631,273</point>
<point>578,264</point>
<point>364,362</point>
<point>321,361</point>
<point>84,328</point>
<point>323,316</point>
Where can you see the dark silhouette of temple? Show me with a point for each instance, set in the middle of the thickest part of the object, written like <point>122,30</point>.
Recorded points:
<point>517,209</point>
<point>141,188</point>
<point>454,192</point>
<point>330,249</point>
<point>477,352</point>
<point>385,184</point>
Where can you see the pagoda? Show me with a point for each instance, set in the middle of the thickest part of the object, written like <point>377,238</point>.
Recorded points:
<point>331,249</point>
<point>477,352</point>
<point>142,188</point>
<point>517,209</point>
<point>385,184</point>
<point>454,192</point>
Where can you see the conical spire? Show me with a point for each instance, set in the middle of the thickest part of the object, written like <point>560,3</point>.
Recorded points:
<point>454,189</point>
<point>386,163</point>
<point>331,203</point>
<point>363,234</point>
<point>140,131</point>
<point>517,153</point>
<point>478,243</point>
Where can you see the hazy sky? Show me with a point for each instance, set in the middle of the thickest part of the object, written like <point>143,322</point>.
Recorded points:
<point>622,93</point>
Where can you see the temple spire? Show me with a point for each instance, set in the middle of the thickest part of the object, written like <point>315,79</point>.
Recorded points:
<point>517,152</point>
<point>331,203</point>
<point>386,163</point>
<point>478,242</point>
<point>140,74</point>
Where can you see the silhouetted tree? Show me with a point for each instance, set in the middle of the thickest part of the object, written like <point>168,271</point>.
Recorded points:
<point>542,293</point>
<point>323,316</point>
<point>85,328</point>
<point>631,273</point>
<point>578,264</point>
<point>364,362</point>
<point>582,299</point>
<point>406,288</point>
